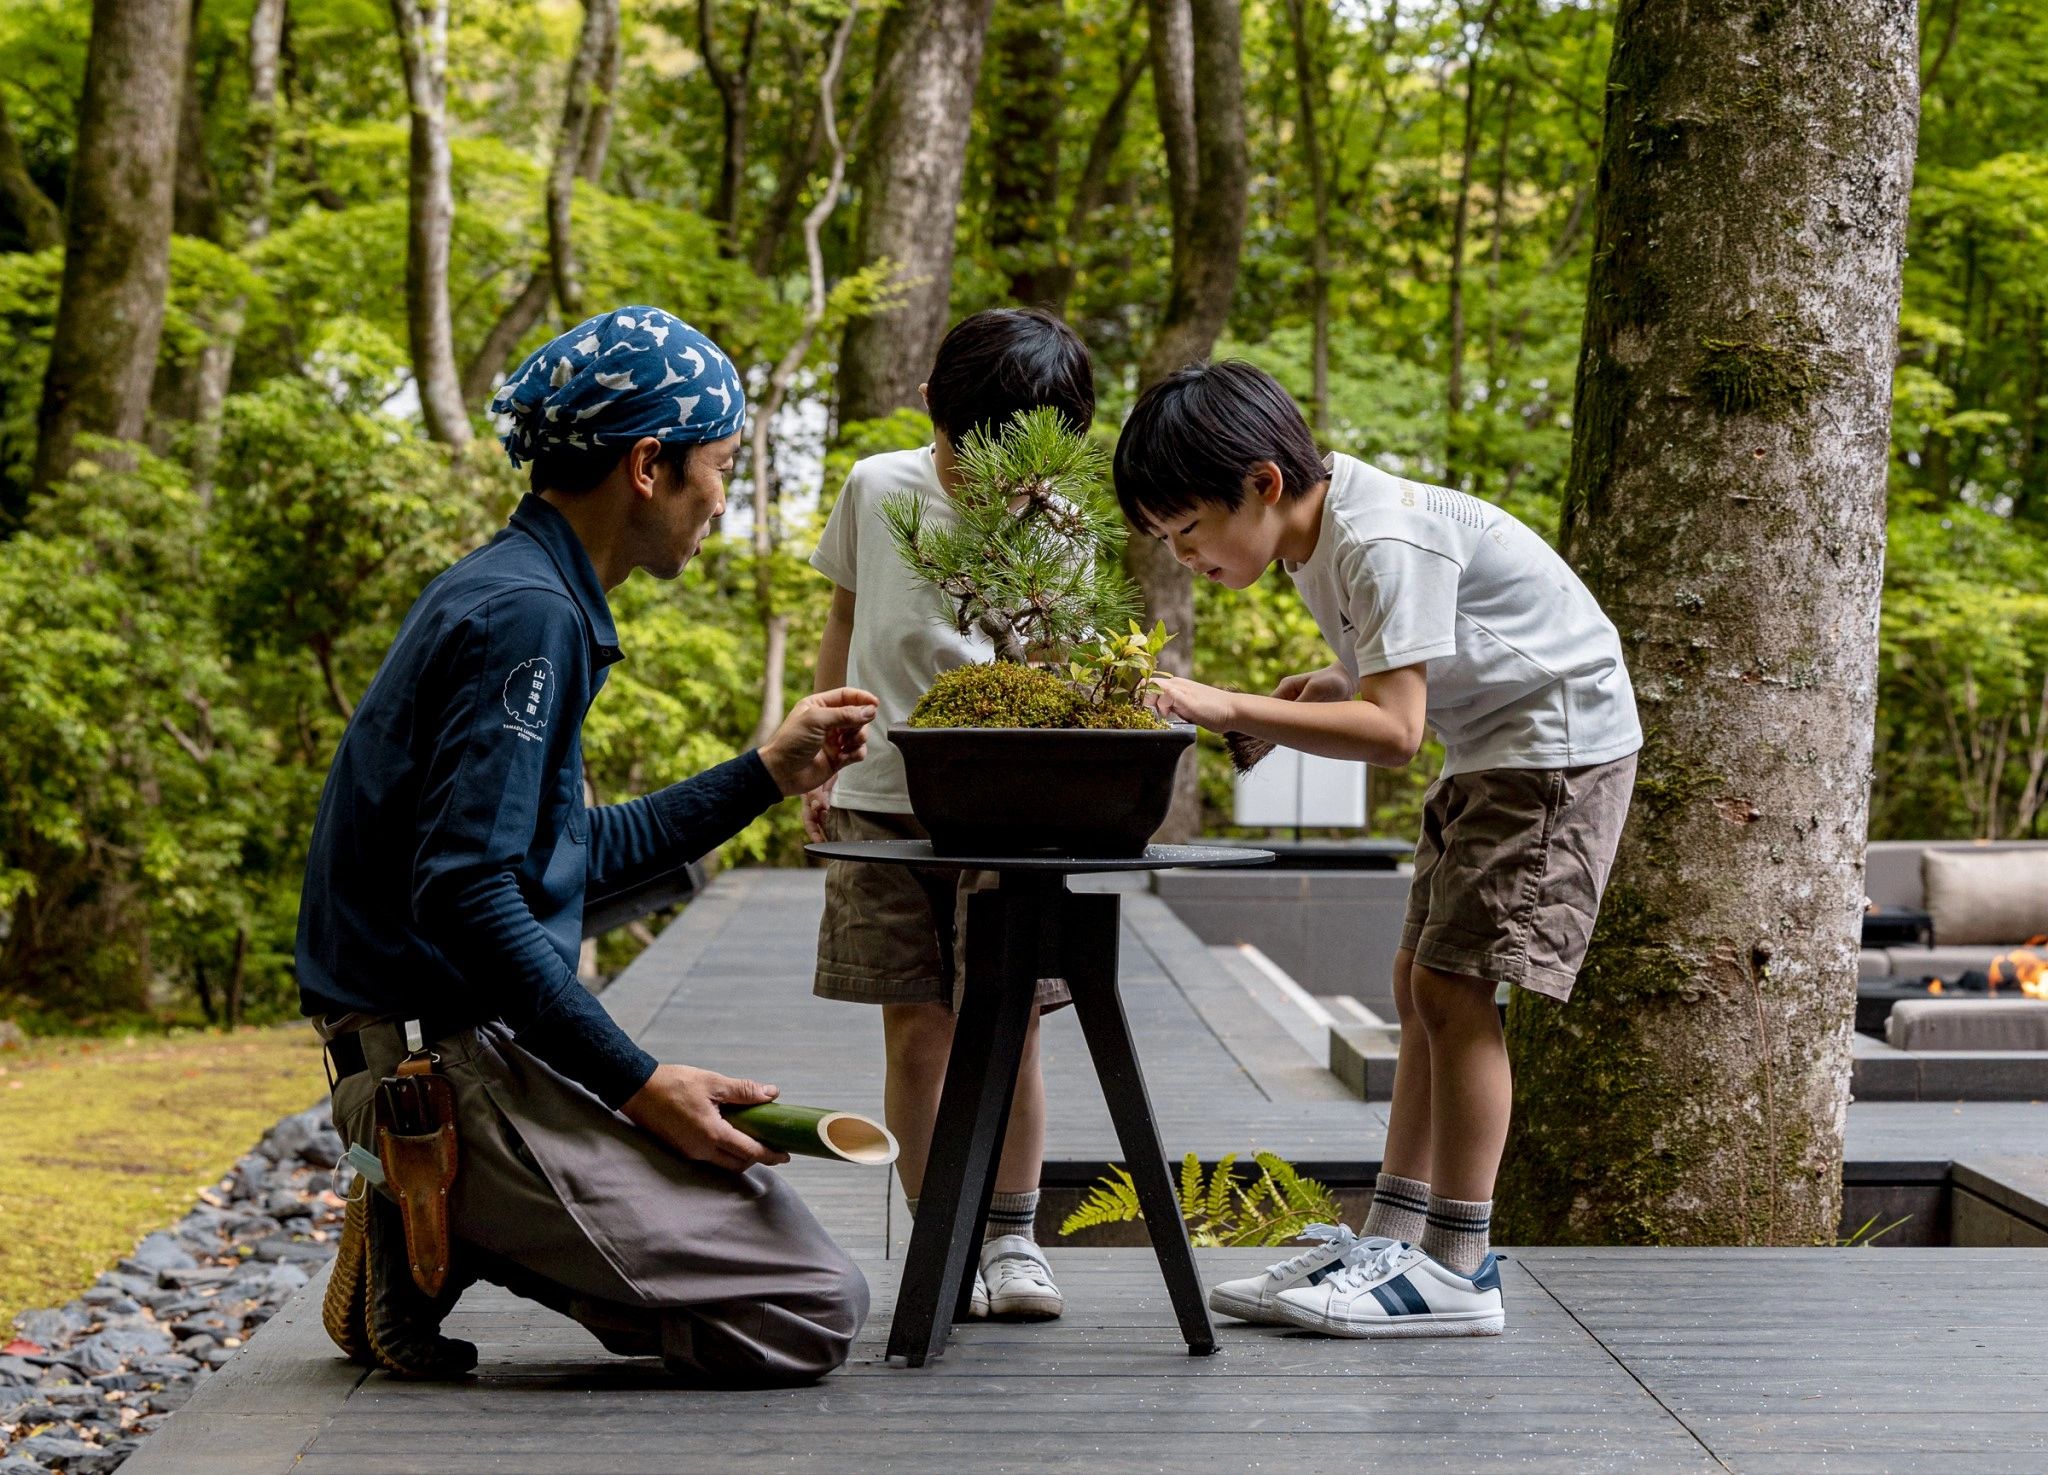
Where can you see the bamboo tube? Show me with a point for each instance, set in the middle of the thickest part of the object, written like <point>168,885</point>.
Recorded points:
<point>816,1131</point>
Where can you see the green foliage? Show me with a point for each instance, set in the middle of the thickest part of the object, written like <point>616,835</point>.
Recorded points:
<point>1005,694</point>
<point>130,784</point>
<point>1221,1210</point>
<point>1028,558</point>
<point>1963,682</point>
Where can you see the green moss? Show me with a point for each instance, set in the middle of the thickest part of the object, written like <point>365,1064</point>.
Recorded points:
<point>1005,694</point>
<point>1744,378</point>
<point>102,1141</point>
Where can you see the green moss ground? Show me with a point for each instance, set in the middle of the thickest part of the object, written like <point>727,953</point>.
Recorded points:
<point>102,1141</point>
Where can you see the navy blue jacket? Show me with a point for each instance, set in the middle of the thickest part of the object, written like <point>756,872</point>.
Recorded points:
<point>453,853</point>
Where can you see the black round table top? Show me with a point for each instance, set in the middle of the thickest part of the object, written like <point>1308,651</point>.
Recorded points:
<point>919,853</point>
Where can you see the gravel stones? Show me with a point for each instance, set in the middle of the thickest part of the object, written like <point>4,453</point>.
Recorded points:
<point>116,1363</point>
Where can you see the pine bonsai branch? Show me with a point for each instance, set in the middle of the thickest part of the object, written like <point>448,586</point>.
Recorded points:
<point>1030,559</point>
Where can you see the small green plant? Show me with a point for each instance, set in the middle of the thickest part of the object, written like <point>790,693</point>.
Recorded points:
<point>1221,1211</point>
<point>1869,1233</point>
<point>1120,666</point>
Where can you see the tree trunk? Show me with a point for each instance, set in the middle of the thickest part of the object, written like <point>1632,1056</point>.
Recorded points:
<point>1198,87</point>
<point>217,359</point>
<point>195,196</point>
<point>1726,503</point>
<point>110,313</point>
<point>926,66</point>
<point>1307,86</point>
<point>736,98</point>
<point>430,216</point>
<point>1461,220</point>
<point>1091,192</point>
<point>775,621</point>
<point>583,102</point>
<point>42,224</point>
<point>238,971</point>
<point>1026,97</point>
<point>579,154</point>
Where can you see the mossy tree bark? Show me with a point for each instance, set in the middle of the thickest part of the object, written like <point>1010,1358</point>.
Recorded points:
<point>928,60</point>
<point>110,310</point>
<point>1726,504</point>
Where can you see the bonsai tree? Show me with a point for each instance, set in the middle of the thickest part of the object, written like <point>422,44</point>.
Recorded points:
<point>1032,562</point>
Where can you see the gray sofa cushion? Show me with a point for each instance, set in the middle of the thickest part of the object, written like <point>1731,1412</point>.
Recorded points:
<point>1985,896</point>
<point>1968,1024</point>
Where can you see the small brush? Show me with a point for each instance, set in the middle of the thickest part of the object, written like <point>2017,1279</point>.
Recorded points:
<point>1245,750</point>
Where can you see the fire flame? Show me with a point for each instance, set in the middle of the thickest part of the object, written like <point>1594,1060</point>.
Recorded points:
<point>2023,966</point>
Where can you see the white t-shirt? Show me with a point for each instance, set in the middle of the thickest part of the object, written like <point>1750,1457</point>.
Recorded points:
<point>1524,669</point>
<point>903,635</point>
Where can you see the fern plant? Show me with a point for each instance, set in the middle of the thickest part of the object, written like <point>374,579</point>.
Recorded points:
<point>1030,559</point>
<point>1220,1210</point>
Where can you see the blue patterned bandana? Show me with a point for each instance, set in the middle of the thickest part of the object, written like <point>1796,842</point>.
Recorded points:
<point>613,378</point>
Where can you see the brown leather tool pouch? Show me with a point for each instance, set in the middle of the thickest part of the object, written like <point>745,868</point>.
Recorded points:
<point>416,1144</point>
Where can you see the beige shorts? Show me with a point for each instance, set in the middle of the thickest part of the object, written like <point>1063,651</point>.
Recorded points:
<point>1510,868</point>
<point>898,934</point>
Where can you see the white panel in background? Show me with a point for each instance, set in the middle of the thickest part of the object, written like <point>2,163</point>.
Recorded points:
<point>1296,790</point>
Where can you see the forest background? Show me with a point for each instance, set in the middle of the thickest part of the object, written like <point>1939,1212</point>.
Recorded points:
<point>1401,192</point>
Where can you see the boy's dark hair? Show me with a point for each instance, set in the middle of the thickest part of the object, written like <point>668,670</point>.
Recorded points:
<point>1195,435</point>
<point>572,472</point>
<point>996,363</point>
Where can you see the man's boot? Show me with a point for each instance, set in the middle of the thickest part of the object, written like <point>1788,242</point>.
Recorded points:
<point>403,1323</point>
<point>342,1308</point>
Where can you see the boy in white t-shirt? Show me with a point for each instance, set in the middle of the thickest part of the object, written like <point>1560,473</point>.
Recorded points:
<point>1445,612</point>
<point>894,936</point>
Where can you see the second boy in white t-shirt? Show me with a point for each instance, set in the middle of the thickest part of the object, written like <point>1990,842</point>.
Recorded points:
<point>893,935</point>
<point>1444,612</point>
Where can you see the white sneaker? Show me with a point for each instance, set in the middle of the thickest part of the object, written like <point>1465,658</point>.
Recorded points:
<point>977,1306</point>
<point>1020,1284</point>
<point>1253,1298</point>
<point>1397,1291</point>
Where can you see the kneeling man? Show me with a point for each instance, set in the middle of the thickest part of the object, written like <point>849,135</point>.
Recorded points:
<point>438,934</point>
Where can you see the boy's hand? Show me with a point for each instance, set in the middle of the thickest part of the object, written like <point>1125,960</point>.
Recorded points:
<point>1330,684</point>
<point>822,734</point>
<point>816,803</point>
<point>1190,701</point>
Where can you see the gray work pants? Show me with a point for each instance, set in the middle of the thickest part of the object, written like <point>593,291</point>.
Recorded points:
<point>727,1277</point>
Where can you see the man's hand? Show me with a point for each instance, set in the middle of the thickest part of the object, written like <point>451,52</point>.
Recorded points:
<point>679,1106</point>
<point>1190,701</point>
<point>1330,684</point>
<point>822,734</point>
<point>817,803</point>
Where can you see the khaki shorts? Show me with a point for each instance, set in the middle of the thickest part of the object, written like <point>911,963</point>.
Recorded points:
<point>898,934</point>
<point>1510,868</point>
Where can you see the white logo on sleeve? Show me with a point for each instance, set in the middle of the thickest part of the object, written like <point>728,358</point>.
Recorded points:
<point>530,697</point>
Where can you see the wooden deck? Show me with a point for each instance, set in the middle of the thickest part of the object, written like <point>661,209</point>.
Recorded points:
<point>1640,1360</point>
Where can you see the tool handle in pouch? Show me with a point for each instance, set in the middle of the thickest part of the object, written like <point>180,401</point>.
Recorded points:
<point>416,1144</point>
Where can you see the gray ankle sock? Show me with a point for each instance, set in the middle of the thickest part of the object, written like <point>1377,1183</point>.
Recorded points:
<point>1012,1213</point>
<point>1398,1207</point>
<point>1456,1234</point>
